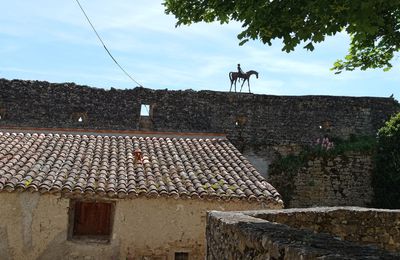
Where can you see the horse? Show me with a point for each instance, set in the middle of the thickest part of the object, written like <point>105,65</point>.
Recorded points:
<point>234,76</point>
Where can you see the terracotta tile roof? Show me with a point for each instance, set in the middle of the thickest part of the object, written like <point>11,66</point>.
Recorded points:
<point>105,166</point>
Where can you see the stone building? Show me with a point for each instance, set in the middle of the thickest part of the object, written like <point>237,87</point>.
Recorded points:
<point>94,195</point>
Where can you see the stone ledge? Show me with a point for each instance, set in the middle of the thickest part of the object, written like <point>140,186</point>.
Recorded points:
<point>240,235</point>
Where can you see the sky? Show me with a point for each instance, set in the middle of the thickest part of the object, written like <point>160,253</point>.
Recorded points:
<point>52,41</point>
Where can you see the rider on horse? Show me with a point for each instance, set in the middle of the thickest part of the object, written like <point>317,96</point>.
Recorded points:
<point>240,75</point>
<point>240,71</point>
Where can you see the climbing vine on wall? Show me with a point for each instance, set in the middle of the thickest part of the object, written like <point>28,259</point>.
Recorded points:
<point>325,148</point>
<point>289,165</point>
<point>386,175</point>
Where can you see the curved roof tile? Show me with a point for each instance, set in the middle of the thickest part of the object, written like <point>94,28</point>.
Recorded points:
<point>106,166</point>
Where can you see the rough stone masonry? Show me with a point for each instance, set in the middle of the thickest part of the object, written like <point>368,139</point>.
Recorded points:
<point>247,119</point>
<point>315,233</point>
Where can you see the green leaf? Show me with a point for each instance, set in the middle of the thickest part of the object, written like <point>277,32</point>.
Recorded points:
<point>309,47</point>
<point>372,24</point>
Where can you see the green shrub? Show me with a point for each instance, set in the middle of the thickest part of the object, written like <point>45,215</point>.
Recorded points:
<point>289,165</point>
<point>386,176</point>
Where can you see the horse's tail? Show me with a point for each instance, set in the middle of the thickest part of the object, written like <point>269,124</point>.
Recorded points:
<point>230,75</point>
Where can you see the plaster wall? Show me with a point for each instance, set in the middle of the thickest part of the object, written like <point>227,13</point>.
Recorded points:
<point>35,226</point>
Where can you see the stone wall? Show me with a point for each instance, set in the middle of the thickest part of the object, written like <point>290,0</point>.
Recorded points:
<point>245,118</point>
<point>378,227</point>
<point>249,235</point>
<point>344,180</point>
<point>35,226</point>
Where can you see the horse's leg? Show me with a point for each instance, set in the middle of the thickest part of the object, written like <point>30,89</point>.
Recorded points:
<point>235,84</point>
<point>243,84</point>
<point>248,84</point>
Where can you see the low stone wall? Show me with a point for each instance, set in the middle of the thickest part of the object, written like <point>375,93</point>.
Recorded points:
<point>247,235</point>
<point>368,226</point>
<point>343,180</point>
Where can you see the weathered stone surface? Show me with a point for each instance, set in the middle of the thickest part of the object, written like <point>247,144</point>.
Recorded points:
<point>343,180</point>
<point>365,225</point>
<point>249,120</point>
<point>243,235</point>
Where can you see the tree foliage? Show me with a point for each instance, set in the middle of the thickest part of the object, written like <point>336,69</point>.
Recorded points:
<point>386,178</point>
<point>372,24</point>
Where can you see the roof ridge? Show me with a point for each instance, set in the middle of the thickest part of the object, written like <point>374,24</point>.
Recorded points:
<point>138,134</point>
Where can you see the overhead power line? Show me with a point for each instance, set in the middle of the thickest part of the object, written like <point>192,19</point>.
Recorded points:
<point>109,53</point>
